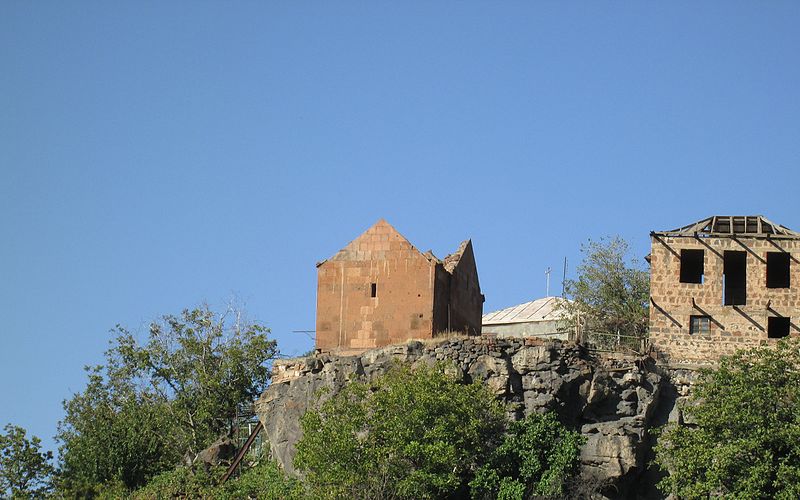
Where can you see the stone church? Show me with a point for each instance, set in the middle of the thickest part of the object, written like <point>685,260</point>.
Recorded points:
<point>380,290</point>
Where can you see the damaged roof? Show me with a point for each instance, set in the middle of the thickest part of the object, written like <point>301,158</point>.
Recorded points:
<point>732,225</point>
<point>451,261</point>
<point>385,231</point>
<point>544,309</point>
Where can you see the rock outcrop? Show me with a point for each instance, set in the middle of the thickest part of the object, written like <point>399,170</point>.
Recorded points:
<point>612,402</point>
<point>220,452</point>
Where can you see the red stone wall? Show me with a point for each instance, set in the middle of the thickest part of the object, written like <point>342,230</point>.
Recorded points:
<point>466,301</point>
<point>348,317</point>
<point>732,327</point>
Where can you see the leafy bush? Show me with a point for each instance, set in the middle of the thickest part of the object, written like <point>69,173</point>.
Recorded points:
<point>538,456</point>
<point>265,481</point>
<point>744,441</point>
<point>412,433</point>
<point>182,482</point>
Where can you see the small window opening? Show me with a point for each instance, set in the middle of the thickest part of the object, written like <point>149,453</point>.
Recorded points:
<point>734,278</point>
<point>777,327</point>
<point>692,266</point>
<point>373,290</point>
<point>777,270</point>
<point>699,324</point>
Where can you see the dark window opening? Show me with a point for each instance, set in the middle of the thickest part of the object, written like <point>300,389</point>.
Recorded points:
<point>777,327</point>
<point>777,270</point>
<point>734,279</point>
<point>699,324</point>
<point>374,290</point>
<point>692,266</point>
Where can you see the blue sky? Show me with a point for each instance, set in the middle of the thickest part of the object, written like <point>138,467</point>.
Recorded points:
<point>157,155</point>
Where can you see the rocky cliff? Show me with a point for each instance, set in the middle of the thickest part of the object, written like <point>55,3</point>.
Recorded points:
<point>614,402</point>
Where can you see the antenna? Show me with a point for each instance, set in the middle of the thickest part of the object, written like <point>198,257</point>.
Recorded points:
<point>307,333</point>
<point>547,273</point>
<point>564,279</point>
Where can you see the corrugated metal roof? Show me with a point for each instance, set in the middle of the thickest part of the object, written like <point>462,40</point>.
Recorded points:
<point>544,309</point>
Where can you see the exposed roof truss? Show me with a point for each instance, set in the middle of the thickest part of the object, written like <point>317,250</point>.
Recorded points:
<point>731,226</point>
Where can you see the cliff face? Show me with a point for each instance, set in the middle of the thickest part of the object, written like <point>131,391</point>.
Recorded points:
<point>613,402</point>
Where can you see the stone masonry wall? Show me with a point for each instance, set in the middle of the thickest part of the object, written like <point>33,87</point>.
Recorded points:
<point>349,317</point>
<point>731,327</point>
<point>465,299</point>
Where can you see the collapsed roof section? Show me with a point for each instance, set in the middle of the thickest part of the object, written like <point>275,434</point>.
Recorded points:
<point>451,261</point>
<point>731,226</point>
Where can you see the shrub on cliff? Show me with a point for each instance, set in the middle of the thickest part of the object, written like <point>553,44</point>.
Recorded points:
<point>412,433</point>
<point>537,458</point>
<point>744,440</point>
<point>265,481</point>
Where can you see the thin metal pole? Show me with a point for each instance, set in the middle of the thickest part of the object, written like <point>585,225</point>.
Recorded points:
<point>547,273</point>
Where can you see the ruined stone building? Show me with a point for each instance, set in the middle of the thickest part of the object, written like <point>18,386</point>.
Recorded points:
<point>721,284</point>
<point>380,290</point>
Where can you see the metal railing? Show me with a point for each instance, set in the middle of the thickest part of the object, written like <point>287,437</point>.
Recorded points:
<point>615,342</point>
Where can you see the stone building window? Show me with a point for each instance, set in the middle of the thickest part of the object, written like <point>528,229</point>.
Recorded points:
<point>373,290</point>
<point>777,270</point>
<point>778,327</point>
<point>692,266</point>
<point>734,278</point>
<point>699,325</point>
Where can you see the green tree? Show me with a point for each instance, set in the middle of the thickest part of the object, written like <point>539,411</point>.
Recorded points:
<point>204,364</point>
<point>611,293</point>
<point>412,433</point>
<point>25,470</point>
<point>153,402</point>
<point>538,456</point>
<point>744,441</point>
<point>114,432</point>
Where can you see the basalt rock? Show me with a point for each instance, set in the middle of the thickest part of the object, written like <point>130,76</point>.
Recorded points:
<point>613,403</point>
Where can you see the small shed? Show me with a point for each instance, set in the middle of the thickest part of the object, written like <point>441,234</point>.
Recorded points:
<point>538,318</point>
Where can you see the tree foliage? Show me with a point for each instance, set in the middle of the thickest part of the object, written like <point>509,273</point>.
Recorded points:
<point>203,364</point>
<point>538,457</point>
<point>182,482</point>
<point>264,481</point>
<point>25,470</point>
<point>113,432</point>
<point>744,441</point>
<point>412,433</point>
<point>611,293</point>
<point>153,402</point>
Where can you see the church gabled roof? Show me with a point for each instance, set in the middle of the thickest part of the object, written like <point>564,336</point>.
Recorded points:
<point>732,225</point>
<point>374,243</point>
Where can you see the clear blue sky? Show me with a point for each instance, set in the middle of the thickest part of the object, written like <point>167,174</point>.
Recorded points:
<point>155,155</point>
